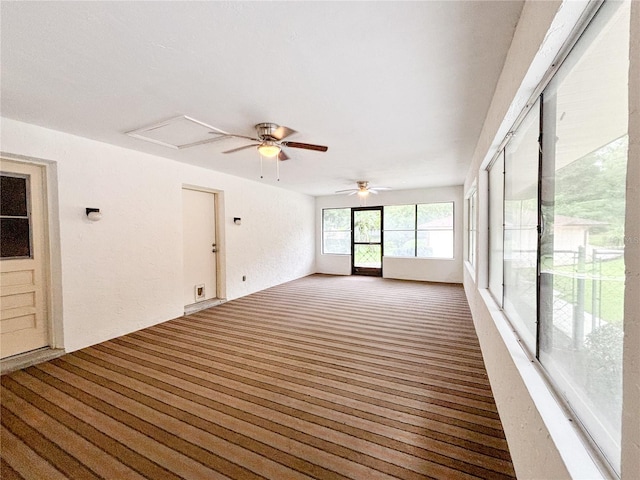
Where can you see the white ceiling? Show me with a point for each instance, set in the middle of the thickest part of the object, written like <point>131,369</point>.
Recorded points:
<point>397,90</point>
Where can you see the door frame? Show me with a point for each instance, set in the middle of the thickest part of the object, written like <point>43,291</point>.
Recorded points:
<point>369,271</point>
<point>221,278</point>
<point>52,261</point>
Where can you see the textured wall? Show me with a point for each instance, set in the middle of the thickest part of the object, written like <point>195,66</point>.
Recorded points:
<point>125,272</point>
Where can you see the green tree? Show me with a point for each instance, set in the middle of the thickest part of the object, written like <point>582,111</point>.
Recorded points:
<point>593,188</point>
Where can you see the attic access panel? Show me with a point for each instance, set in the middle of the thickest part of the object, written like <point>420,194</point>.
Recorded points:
<point>179,132</point>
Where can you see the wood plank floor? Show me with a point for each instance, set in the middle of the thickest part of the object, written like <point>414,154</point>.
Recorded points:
<point>323,377</point>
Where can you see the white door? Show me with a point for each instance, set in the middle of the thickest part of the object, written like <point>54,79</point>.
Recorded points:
<point>24,325</point>
<point>199,243</point>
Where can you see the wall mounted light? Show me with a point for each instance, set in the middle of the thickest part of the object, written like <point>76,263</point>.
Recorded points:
<point>94,214</point>
<point>237,220</point>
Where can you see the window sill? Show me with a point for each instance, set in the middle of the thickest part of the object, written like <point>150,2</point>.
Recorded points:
<point>419,258</point>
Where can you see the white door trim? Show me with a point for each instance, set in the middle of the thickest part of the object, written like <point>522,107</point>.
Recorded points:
<point>221,279</point>
<point>53,257</point>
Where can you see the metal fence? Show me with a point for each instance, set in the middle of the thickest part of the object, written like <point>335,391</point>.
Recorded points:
<point>588,291</point>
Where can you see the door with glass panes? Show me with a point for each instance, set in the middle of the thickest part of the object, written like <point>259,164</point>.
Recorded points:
<point>23,285</point>
<point>366,244</point>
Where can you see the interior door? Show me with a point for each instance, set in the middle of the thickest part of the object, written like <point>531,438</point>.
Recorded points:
<point>366,246</point>
<point>24,325</point>
<point>199,245</point>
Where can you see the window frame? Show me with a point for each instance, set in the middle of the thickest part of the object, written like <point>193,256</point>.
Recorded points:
<point>472,225</point>
<point>593,437</point>
<point>417,230</point>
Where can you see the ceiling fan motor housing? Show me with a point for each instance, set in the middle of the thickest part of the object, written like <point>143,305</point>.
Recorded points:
<point>266,131</point>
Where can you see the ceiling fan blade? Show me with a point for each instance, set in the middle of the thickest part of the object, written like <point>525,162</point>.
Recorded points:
<point>352,190</point>
<point>306,146</point>
<point>371,190</point>
<point>282,155</point>
<point>352,193</point>
<point>381,188</point>
<point>282,132</point>
<point>241,148</point>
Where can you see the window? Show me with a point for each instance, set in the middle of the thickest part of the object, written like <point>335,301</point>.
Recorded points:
<point>472,206</point>
<point>336,231</point>
<point>15,229</point>
<point>424,230</point>
<point>496,235</point>
<point>400,231</point>
<point>435,230</point>
<point>556,226</point>
<point>521,227</point>
<point>585,148</point>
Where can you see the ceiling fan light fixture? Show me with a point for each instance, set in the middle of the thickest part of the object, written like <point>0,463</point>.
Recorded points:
<point>363,192</point>
<point>268,149</point>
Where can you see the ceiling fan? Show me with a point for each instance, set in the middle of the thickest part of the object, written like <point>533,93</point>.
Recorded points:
<point>363,189</point>
<point>270,140</point>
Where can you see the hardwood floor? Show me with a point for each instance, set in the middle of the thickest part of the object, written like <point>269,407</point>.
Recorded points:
<point>323,377</point>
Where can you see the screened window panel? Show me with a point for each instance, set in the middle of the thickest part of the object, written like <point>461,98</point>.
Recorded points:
<point>336,219</point>
<point>367,256</point>
<point>336,231</point>
<point>337,242</point>
<point>582,254</point>
<point>471,227</point>
<point>435,243</point>
<point>435,216</point>
<point>434,234</point>
<point>400,243</point>
<point>496,209</point>
<point>521,227</point>
<point>367,226</point>
<point>400,217</point>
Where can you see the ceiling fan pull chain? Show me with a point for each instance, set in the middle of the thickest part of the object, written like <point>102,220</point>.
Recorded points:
<point>278,168</point>
<point>260,165</point>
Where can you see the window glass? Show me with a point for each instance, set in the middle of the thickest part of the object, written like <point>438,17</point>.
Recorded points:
<point>496,211</point>
<point>336,231</point>
<point>424,230</point>
<point>585,117</point>
<point>13,196</point>
<point>435,243</point>
<point>400,243</point>
<point>471,223</point>
<point>400,235</point>
<point>521,227</point>
<point>435,230</point>
<point>15,224</point>
<point>400,217</point>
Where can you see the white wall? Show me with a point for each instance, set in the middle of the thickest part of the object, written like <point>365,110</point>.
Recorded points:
<point>631,360</point>
<point>125,272</point>
<point>427,269</point>
<point>542,441</point>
